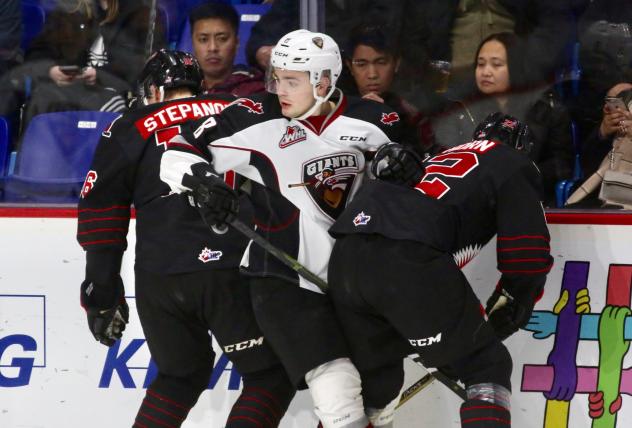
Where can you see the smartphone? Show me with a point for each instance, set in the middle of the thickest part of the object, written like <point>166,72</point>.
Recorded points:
<point>70,70</point>
<point>615,103</point>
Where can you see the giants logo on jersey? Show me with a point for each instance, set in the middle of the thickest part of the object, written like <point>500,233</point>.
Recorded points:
<point>249,105</point>
<point>389,118</point>
<point>293,134</point>
<point>88,183</point>
<point>329,181</point>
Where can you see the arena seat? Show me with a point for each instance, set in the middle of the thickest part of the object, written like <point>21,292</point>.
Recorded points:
<point>33,18</point>
<point>564,188</point>
<point>5,145</point>
<point>249,14</point>
<point>55,155</point>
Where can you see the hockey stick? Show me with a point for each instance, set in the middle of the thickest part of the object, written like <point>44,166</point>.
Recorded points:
<point>295,265</point>
<point>281,255</point>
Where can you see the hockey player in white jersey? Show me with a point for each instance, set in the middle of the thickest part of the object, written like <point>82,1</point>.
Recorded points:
<point>304,144</point>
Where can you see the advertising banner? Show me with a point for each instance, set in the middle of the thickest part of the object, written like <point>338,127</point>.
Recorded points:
<point>572,366</point>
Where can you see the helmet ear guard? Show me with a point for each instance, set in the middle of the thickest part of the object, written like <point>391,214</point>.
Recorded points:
<point>505,129</point>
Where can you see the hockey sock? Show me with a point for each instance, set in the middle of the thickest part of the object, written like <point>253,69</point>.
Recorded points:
<point>320,425</point>
<point>160,411</point>
<point>264,399</point>
<point>483,414</point>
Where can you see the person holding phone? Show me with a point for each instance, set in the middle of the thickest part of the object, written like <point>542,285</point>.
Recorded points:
<point>616,115</point>
<point>616,121</point>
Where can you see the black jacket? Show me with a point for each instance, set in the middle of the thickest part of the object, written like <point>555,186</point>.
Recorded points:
<point>545,115</point>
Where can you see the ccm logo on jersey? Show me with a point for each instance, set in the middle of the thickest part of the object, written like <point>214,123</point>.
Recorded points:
<point>249,105</point>
<point>352,138</point>
<point>208,255</point>
<point>88,183</point>
<point>243,345</point>
<point>426,341</point>
<point>389,118</point>
<point>361,219</point>
<point>293,134</point>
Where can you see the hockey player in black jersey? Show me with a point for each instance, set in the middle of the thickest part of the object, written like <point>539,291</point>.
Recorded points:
<point>187,280</point>
<point>394,271</point>
<point>305,141</point>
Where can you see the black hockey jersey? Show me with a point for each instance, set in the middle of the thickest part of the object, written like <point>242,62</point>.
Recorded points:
<point>306,170</point>
<point>170,234</point>
<point>469,194</point>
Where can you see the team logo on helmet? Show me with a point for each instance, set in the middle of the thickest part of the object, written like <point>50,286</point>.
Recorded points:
<point>88,183</point>
<point>318,41</point>
<point>293,134</point>
<point>389,118</point>
<point>250,105</point>
<point>329,181</point>
<point>361,219</point>
<point>187,60</point>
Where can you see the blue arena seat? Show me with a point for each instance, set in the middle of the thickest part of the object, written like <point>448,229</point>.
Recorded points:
<point>249,14</point>
<point>33,18</point>
<point>565,188</point>
<point>55,155</point>
<point>5,146</point>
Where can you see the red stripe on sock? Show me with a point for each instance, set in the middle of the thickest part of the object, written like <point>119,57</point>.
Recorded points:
<point>502,421</point>
<point>178,418</point>
<point>491,406</point>
<point>244,418</point>
<point>254,410</point>
<point>164,424</point>
<point>160,397</point>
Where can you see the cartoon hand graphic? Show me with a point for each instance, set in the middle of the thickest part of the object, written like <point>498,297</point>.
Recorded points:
<point>582,301</point>
<point>542,324</point>
<point>612,350</point>
<point>561,302</point>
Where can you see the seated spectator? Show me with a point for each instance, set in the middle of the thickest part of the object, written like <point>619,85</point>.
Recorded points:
<point>613,132</point>
<point>500,80</point>
<point>124,42</point>
<point>398,17</point>
<point>86,58</point>
<point>613,122</point>
<point>458,27</point>
<point>373,62</point>
<point>214,29</point>
<point>605,58</point>
<point>10,34</point>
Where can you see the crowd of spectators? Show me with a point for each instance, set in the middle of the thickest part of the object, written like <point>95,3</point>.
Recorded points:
<point>443,65</point>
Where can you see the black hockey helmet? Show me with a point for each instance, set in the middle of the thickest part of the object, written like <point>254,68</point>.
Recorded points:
<point>506,129</point>
<point>168,70</point>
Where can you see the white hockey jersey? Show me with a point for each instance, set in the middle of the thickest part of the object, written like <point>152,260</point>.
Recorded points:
<point>306,170</point>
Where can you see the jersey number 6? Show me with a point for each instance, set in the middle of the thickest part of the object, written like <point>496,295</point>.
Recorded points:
<point>456,165</point>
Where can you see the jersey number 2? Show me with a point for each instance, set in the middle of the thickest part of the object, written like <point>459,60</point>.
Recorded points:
<point>456,165</point>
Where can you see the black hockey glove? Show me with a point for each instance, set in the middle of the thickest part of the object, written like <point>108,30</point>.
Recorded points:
<point>106,308</point>
<point>397,164</point>
<point>508,312</point>
<point>216,201</point>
